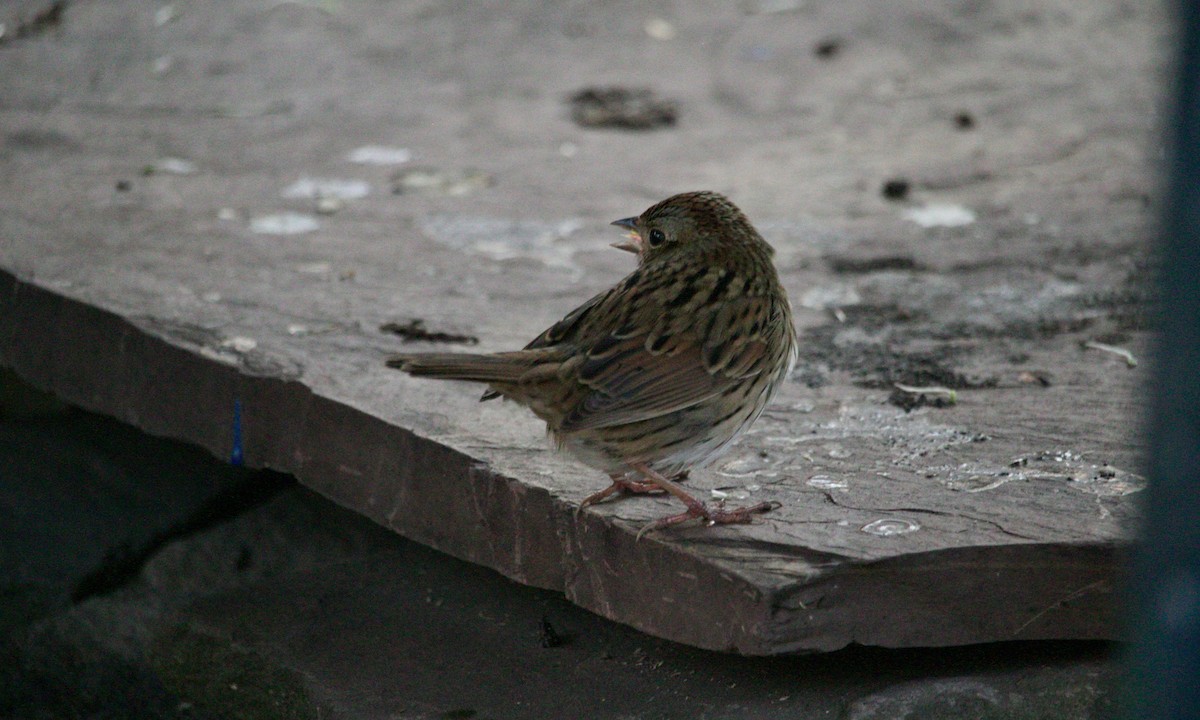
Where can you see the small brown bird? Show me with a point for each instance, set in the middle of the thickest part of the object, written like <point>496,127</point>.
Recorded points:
<point>662,372</point>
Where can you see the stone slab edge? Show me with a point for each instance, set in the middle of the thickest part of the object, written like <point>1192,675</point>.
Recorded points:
<point>753,600</point>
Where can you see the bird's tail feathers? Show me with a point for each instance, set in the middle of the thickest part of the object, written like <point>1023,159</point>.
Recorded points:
<point>500,367</point>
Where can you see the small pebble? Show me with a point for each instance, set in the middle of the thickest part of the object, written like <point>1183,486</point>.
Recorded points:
<point>379,155</point>
<point>434,181</point>
<point>659,29</point>
<point>318,188</point>
<point>283,224</point>
<point>164,15</point>
<point>828,49</point>
<point>240,344</point>
<point>314,268</point>
<point>896,189</point>
<point>329,205</point>
<point>940,215</point>
<point>174,166</point>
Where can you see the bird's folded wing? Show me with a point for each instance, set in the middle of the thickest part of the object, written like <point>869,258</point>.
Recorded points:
<point>673,365</point>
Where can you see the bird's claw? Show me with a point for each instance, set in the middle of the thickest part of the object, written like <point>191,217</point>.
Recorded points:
<point>628,487</point>
<point>719,516</point>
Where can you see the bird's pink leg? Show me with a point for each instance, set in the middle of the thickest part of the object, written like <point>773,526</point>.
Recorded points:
<point>625,484</point>
<point>695,508</point>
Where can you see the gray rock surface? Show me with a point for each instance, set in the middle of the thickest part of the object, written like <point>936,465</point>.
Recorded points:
<point>190,219</point>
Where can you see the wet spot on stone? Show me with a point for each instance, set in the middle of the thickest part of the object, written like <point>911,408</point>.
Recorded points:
<point>888,527</point>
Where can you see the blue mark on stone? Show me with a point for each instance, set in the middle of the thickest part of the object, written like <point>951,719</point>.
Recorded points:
<point>235,455</point>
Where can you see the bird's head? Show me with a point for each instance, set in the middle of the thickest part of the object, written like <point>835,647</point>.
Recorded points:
<point>682,222</point>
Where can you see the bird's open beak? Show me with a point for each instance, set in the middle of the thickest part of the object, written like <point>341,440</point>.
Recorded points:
<point>633,242</point>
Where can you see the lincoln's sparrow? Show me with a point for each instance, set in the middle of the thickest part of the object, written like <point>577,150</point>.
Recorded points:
<point>662,372</point>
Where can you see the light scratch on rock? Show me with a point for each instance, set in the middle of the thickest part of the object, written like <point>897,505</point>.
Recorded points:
<point>1059,603</point>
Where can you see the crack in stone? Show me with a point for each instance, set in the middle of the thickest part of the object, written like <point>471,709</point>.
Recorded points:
<point>123,564</point>
<point>926,511</point>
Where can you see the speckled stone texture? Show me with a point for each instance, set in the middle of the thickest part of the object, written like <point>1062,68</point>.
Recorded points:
<point>183,231</point>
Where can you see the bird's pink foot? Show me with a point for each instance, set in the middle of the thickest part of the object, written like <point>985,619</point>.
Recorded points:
<point>626,486</point>
<point>621,485</point>
<point>719,516</point>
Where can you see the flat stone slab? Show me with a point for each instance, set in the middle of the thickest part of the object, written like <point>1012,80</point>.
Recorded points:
<point>207,216</point>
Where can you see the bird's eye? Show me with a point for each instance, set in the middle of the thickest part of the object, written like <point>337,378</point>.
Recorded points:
<point>657,238</point>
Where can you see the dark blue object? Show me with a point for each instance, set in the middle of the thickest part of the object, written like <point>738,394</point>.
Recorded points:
<point>1164,662</point>
<point>235,455</point>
